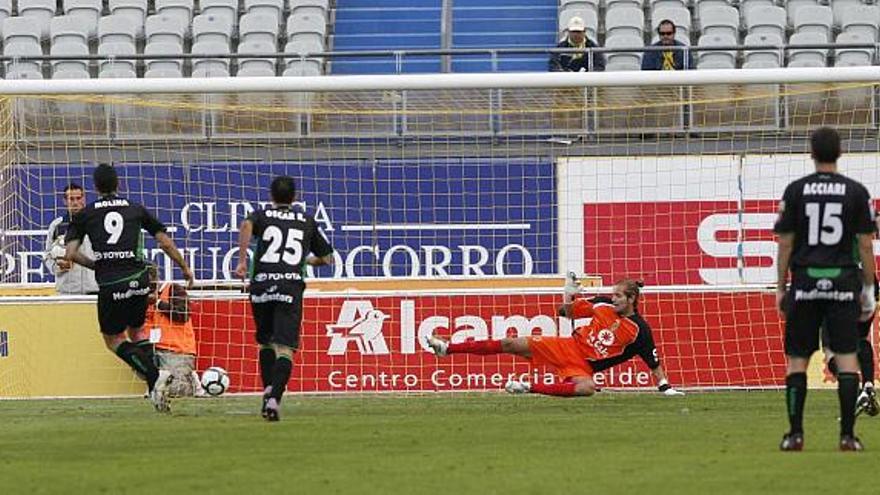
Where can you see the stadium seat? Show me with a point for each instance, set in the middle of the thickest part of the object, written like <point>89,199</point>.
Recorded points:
<point>302,47</point>
<point>315,7</point>
<point>70,69</point>
<point>257,26</point>
<point>747,5</point>
<point>814,19</point>
<point>68,29</point>
<point>579,5</point>
<point>5,12</point>
<point>624,21</point>
<point>212,28</point>
<point>166,28</point>
<point>274,8</point>
<point>621,61</point>
<point>591,21</point>
<point>841,6</point>
<point>764,58</point>
<point>117,29</point>
<point>256,66</point>
<point>87,11</point>
<point>222,8</point>
<point>210,67</point>
<point>163,67</point>
<point>679,16</point>
<point>180,9</point>
<point>112,66</point>
<point>615,4</point>
<point>807,57</point>
<point>851,57</point>
<point>21,30</point>
<point>134,10</point>
<point>23,48</point>
<point>793,6</point>
<point>701,5</point>
<point>303,24</point>
<point>716,59</point>
<point>720,20</point>
<point>863,19</point>
<point>302,68</point>
<point>675,4</point>
<point>39,12</point>
<point>764,19</point>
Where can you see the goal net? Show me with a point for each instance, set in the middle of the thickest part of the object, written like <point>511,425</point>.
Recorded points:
<point>455,205</point>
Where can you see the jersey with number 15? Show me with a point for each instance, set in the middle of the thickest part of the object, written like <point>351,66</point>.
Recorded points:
<point>284,238</point>
<point>114,226</point>
<point>825,211</point>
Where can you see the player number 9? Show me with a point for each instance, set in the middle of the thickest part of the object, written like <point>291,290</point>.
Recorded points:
<point>113,224</point>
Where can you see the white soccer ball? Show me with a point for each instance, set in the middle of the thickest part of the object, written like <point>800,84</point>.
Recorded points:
<point>215,381</point>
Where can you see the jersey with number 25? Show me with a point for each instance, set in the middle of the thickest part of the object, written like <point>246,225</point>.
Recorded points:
<point>114,226</point>
<point>284,238</point>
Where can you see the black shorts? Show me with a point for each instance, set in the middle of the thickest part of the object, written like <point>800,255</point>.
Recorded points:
<point>123,305</point>
<point>278,316</point>
<point>828,303</point>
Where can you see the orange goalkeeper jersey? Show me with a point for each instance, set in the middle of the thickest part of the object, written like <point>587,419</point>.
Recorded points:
<point>169,335</point>
<point>607,334</point>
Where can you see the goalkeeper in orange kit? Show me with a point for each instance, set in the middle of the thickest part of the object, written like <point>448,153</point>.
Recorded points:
<point>607,336</point>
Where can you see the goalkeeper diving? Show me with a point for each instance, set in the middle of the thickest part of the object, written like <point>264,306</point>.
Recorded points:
<point>615,334</point>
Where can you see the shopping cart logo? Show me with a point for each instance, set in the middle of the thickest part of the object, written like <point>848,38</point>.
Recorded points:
<point>4,343</point>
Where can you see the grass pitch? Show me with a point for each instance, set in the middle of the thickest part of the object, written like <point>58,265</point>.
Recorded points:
<point>712,443</point>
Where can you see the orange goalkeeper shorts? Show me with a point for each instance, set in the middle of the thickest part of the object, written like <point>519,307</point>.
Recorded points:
<point>561,353</point>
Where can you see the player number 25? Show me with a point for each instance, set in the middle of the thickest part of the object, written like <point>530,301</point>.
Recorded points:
<point>825,227</point>
<point>293,251</point>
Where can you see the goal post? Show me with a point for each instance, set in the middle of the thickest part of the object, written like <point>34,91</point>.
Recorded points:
<point>456,202</point>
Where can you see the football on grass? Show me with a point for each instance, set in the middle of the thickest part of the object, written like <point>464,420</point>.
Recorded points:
<point>215,381</point>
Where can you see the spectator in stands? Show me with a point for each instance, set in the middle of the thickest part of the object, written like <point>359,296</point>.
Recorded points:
<point>70,278</point>
<point>171,330</point>
<point>577,62</point>
<point>672,59</point>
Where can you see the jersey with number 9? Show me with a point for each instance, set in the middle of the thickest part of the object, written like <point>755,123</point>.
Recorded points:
<point>114,225</point>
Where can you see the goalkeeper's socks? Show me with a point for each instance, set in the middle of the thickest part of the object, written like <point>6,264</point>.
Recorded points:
<point>267,364</point>
<point>866,361</point>
<point>795,397</point>
<point>847,393</point>
<point>564,389</point>
<point>280,377</point>
<point>139,362</point>
<point>482,347</point>
<point>148,349</point>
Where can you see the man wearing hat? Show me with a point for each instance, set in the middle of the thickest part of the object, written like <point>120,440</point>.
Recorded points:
<point>576,62</point>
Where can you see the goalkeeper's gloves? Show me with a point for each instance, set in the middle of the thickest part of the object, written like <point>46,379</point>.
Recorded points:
<point>666,389</point>
<point>869,302</point>
<point>572,287</point>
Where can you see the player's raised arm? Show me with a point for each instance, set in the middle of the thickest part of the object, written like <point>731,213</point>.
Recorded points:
<point>244,240</point>
<point>166,244</point>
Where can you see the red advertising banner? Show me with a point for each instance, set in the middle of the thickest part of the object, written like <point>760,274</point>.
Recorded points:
<point>353,344</point>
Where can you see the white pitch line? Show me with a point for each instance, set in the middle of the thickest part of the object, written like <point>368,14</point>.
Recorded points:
<point>438,226</point>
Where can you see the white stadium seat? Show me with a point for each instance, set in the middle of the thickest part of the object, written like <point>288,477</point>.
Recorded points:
<point>180,9</point>
<point>223,8</point>
<point>307,26</point>
<point>163,67</point>
<point>260,27</point>
<point>39,12</point>
<point>210,67</point>
<point>212,28</point>
<point>763,58</point>
<point>851,57</point>
<point>166,28</point>
<point>87,11</point>
<point>841,6</point>
<point>793,6</point>
<point>764,19</point>
<point>863,19</point>
<point>70,69</point>
<point>620,61</point>
<point>638,4</point>
<point>20,30</point>
<point>113,67</point>
<point>814,19</point>
<point>662,4</point>
<point>68,28</point>
<point>624,20</point>
<point>134,10</point>
<point>807,57</point>
<point>117,29</point>
<point>273,8</point>
<point>578,5</point>
<point>322,7</point>
<point>256,66</point>
<point>720,20</point>
<point>723,59</point>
